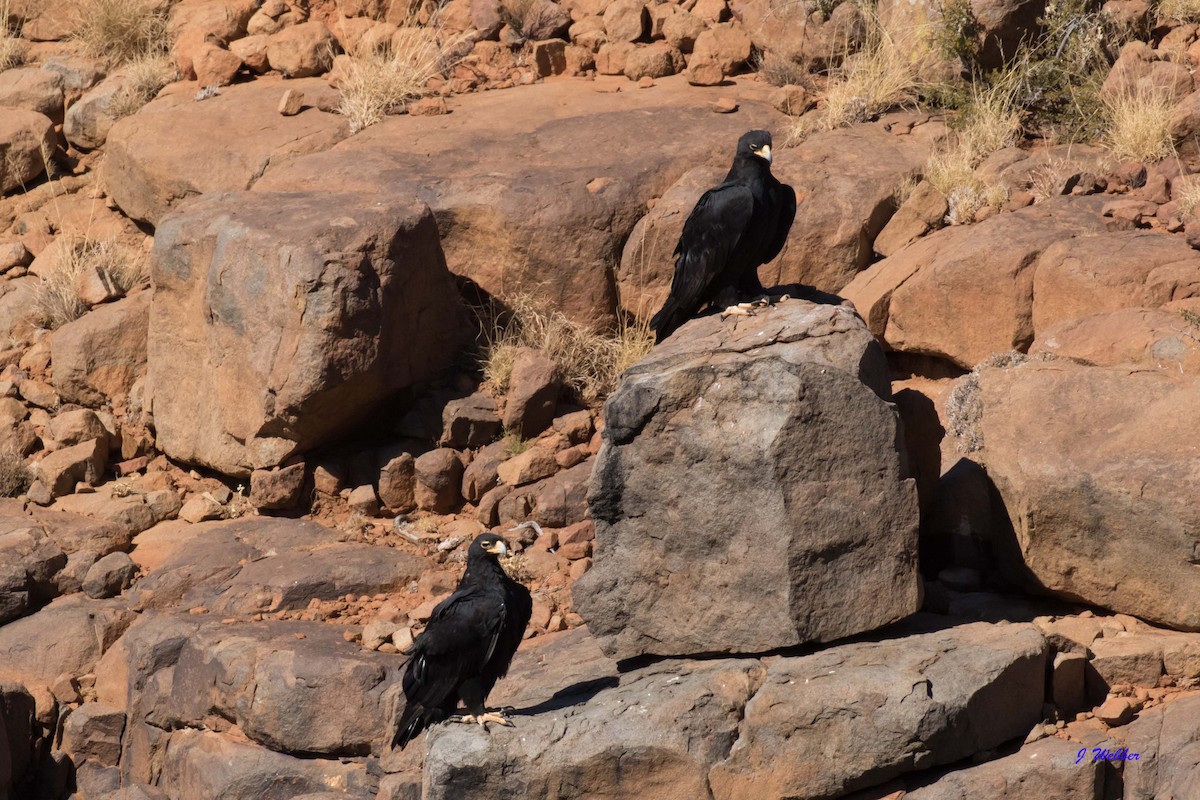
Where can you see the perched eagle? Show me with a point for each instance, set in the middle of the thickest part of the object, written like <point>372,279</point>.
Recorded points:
<point>734,228</point>
<point>467,646</point>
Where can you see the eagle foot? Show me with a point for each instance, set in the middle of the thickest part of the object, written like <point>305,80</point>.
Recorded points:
<point>739,310</point>
<point>495,717</point>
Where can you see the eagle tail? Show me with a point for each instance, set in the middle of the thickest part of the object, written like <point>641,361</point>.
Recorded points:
<point>666,321</point>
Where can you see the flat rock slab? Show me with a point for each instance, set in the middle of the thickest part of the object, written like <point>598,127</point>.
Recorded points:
<point>66,637</point>
<point>177,147</point>
<point>536,188</point>
<point>1095,468</point>
<point>312,695</point>
<point>259,564</point>
<point>1047,768</point>
<point>653,735</point>
<point>280,320</point>
<point>752,469</point>
<point>203,765</point>
<point>858,715</point>
<point>851,717</point>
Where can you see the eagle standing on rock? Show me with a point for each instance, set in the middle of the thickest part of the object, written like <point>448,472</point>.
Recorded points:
<point>734,228</point>
<point>467,646</point>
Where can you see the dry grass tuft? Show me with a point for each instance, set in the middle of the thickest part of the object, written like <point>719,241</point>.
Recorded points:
<point>514,443</point>
<point>12,47</point>
<point>881,76</point>
<point>121,31</point>
<point>1186,11</point>
<point>147,75</point>
<point>380,82</point>
<point>1188,198</point>
<point>1137,124</point>
<point>589,362</point>
<point>14,475</point>
<point>57,299</point>
<point>989,123</point>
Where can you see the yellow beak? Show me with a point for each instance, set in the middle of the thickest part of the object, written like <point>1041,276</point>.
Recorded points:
<point>765,152</point>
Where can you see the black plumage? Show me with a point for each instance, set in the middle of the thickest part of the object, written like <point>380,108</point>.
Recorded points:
<point>467,645</point>
<point>734,229</point>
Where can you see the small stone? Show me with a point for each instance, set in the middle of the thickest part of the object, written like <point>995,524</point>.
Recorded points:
<point>402,638</point>
<point>1116,711</point>
<point>291,103</point>
<point>278,488</point>
<point>109,576</point>
<point>377,633</point>
<point>363,500</point>
<point>575,551</point>
<point>428,107</point>
<point>580,568</point>
<point>39,394</point>
<point>726,105</point>
<point>550,57</point>
<point>201,507</point>
<point>645,82</point>
<point>532,465</point>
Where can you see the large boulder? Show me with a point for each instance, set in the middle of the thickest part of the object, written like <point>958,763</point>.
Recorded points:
<point>751,470</point>
<point>277,323</point>
<point>966,292</point>
<point>1093,274</point>
<point>1094,467</point>
<point>553,221</point>
<point>175,147</point>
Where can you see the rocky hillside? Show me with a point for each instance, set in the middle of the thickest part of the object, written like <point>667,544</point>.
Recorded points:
<point>299,296</point>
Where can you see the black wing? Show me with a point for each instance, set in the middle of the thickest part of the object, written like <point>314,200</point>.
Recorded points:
<point>520,608</point>
<point>462,635</point>
<point>710,237</point>
<point>783,203</point>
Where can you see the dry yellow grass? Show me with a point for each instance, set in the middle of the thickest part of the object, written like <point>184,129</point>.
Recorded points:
<point>148,74</point>
<point>1187,198</point>
<point>880,76</point>
<point>57,300</point>
<point>1178,10</point>
<point>120,31</point>
<point>14,475</point>
<point>989,123</point>
<point>381,81</point>
<point>12,47</point>
<point>589,362</point>
<point>1137,124</point>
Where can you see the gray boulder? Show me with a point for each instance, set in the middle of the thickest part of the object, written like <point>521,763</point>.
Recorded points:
<point>752,470</point>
